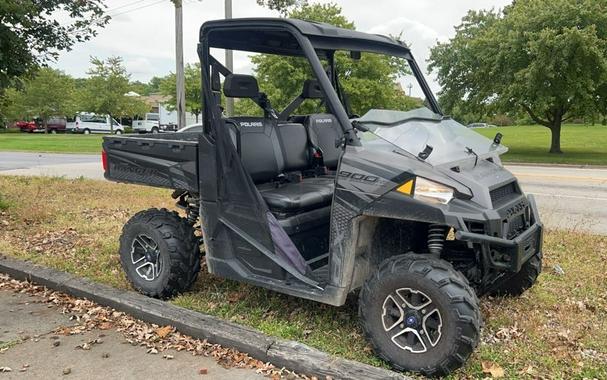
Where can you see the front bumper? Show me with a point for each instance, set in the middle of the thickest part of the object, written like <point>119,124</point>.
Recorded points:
<point>509,253</point>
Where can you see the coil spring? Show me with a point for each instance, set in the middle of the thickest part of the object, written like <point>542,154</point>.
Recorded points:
<point>436,238</point>
<point>193,210</point>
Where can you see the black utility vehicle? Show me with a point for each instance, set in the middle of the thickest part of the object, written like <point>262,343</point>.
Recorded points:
<point>412,208</point>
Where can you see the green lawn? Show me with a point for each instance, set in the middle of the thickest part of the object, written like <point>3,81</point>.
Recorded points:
<point>581,144</point>
<point>60,143</point>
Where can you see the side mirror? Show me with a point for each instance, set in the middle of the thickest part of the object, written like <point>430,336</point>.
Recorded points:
<point>498,138</point>
<point>355,55</point>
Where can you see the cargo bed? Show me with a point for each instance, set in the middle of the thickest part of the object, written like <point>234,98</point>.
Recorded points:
<point>169,160</point>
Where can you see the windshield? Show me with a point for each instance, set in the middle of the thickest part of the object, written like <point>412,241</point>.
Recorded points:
<point>419,130</point>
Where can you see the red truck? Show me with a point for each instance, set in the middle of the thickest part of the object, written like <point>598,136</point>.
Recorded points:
<point>54,125</point>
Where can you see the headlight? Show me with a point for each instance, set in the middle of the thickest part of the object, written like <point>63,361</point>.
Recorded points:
<point>430,191</point>
<point>427,191</point>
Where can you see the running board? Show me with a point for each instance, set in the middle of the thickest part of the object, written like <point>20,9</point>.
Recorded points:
<point>271,255</point>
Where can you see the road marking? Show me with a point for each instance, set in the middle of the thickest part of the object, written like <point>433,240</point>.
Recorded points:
<point>570,196</point>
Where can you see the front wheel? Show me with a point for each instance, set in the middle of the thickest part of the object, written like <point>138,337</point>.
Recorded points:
<point>118,131</point>
<point>420,315</point>
<point>86,132</point>
<point>159,253</point>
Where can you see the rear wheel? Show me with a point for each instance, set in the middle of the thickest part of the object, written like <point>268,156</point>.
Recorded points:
<point>518,283</point>
<point>53,131</point>
<point>118,131</point>
<point>159,253</point>
<point>86,132</point>
<point>154,130</point>
<point>420,315</point>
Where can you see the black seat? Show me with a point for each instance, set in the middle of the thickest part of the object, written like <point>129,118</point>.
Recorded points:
<point>324,130</point>
<point>268,151</point>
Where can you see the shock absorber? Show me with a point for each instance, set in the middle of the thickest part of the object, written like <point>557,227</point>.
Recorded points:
<point>193,209</point>
<point>436,238</point>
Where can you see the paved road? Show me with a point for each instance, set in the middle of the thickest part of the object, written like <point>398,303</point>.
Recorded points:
<point>51,164</point>
<point>26,330</point>
<point>568,197</point>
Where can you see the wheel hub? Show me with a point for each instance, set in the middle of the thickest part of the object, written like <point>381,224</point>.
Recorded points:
<point>145,257</point>
<point>412,320</point>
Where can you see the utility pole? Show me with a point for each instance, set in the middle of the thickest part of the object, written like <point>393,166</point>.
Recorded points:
<point>229,60</point>
<point>409,86</point>
<point>180,99</point>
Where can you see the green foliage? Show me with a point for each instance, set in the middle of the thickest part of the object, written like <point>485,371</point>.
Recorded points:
<point>370,82</point>
<point>30,36</point>
<point>104,91</point>
<point>545,58</point>
<point>49,93</point>
<point>282,6</point>
<point>193,81</point>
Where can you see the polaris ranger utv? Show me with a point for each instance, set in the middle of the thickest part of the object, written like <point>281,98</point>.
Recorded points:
<point>412,208</point>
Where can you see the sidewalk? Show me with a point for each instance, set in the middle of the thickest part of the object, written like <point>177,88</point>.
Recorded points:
<point>34,344</point>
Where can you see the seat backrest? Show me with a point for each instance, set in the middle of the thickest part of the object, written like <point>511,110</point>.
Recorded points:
<point>260,151</point>
<point>293,140</point>
<point>324,130</point>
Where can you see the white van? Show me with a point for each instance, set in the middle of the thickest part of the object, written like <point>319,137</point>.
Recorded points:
<point>88,123</point>
<point>150,124</point>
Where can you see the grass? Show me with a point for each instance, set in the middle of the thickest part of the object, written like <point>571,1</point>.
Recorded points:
<point>581,144</point>
<point>48,143</point>
<point>557,329</point>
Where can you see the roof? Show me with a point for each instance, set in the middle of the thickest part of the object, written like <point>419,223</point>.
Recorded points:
<point>267,35</point>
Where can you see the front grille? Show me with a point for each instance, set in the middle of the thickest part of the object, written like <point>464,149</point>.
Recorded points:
<point>504,193</point>
<point>516,225</point>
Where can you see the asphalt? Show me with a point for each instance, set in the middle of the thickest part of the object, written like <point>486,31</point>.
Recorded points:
<point>568,197</point>
<point>34,351</point>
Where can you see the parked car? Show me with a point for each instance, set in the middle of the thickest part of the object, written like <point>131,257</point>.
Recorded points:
<point>150,124</point>
<point>156,123</point>
<point>481,125</point>
<point>88,123</point>
<point>54,125</point>
<point>191,128</point>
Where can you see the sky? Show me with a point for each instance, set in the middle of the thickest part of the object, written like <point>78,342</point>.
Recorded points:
<point>142,31</point>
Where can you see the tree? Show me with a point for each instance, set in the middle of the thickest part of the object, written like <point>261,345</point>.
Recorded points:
<point>30,35</point>
<point>193,99</point>
<point>545,58</point>
<point>105,90</point>
<point>49,93</point>
<point>370,82</point>
<point>282,6</point>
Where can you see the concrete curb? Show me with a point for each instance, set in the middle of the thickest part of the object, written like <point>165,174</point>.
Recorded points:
<point>282,353</point>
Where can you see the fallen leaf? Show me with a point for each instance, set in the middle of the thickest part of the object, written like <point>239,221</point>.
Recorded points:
<point>203,371</point>
<point>493,369</point>
<point>6,369</point>
<point>164,331</point>
<point>67,371</point>
<point>152,351</point>
<point>168,357</point>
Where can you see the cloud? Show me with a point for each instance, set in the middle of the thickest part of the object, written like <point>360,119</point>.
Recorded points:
<point>145,37</point>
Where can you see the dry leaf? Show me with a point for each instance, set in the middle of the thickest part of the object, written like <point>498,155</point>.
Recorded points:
<point>152,351</point>
<point>6,369</point>
<point>493,369</point>
<point>164,331</point>
<point>203,371</point>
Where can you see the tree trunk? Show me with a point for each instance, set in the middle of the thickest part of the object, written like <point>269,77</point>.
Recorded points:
<point>555,144</point>
<point>196,118</point>
<point>45,124</point>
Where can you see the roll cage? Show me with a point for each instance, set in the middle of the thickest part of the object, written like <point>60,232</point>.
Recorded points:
<point>292,37</point>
